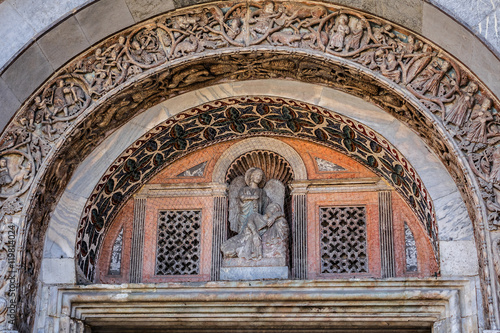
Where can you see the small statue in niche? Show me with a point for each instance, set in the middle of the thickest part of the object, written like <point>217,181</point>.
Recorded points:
<point>256,214</point>
<point>248,244</point>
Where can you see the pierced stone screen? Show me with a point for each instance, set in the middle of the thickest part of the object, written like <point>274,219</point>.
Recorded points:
<point>343,240</point>
<point>178,249</point>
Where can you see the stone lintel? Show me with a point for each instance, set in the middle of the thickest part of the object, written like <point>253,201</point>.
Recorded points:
<point>362,302</point>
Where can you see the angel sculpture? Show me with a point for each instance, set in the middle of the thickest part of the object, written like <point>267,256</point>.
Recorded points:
<point>256,214</point>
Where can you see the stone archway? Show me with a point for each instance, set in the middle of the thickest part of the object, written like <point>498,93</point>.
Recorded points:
<point>59,242</point>
<point>150,76</point>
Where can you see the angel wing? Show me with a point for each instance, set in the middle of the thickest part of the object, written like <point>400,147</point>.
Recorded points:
<point>275,191</point>
<point>234,190</point>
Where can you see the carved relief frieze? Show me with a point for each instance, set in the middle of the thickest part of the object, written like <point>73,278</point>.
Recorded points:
<point>313,42</point>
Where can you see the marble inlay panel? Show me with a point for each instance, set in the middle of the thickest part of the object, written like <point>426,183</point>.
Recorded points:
<point>60,241</point>
<point>453,220</point>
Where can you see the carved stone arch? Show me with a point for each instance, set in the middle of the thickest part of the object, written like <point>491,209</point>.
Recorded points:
<point>273,165</point>
<point>96,161</point>
<point>247,145</point>
<point>113,105</point>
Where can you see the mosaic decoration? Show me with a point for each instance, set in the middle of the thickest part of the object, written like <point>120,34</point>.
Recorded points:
<point>343,240</point>
<point>238,118</point>
<point>178,242</point>
<point>234,40</point>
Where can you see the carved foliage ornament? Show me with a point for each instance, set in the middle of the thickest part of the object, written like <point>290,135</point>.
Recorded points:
<point>236,118</point>
<point>443,87</point>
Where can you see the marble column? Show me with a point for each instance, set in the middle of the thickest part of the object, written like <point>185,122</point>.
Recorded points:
<point>137,240</point>
<point>386,234</point>
<point>219,233</point>
<point>299,231</point>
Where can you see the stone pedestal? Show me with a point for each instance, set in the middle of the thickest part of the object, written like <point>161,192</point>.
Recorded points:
<point>253,273</point>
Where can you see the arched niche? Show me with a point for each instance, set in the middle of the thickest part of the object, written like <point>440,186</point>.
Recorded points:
<point>180,202</point>
<point>248,145</point>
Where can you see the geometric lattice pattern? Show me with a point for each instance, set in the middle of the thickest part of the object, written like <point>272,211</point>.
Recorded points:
<point>343,240</point>
<point>178,249</point>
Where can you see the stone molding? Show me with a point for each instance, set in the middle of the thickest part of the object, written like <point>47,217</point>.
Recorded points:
<point>446,304</point>
<point>44,124</point>
<point>182,190</point>
<point>339,185</point>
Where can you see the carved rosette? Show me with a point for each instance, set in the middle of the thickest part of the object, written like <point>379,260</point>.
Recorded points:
<point>152,53</point>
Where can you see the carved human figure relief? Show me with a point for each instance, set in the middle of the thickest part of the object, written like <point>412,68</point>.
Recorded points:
<point>256,214</point>
<point>16,173</point>
<point>5,178</point>
<point>459,113</point>
<point>480,119</point>
<point>430,78</point>
<point>487,167</point>
<point>338,35</point>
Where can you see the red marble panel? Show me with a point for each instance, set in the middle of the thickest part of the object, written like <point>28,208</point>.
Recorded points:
<point>346,199</point>
<point>427,263</point>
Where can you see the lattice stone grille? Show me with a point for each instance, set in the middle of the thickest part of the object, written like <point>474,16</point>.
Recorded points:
<point>178,246</point>
<point>343,240</point>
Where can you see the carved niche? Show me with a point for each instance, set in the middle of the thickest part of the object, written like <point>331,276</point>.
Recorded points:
<point>256,215</point>
<point>258,244</point>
